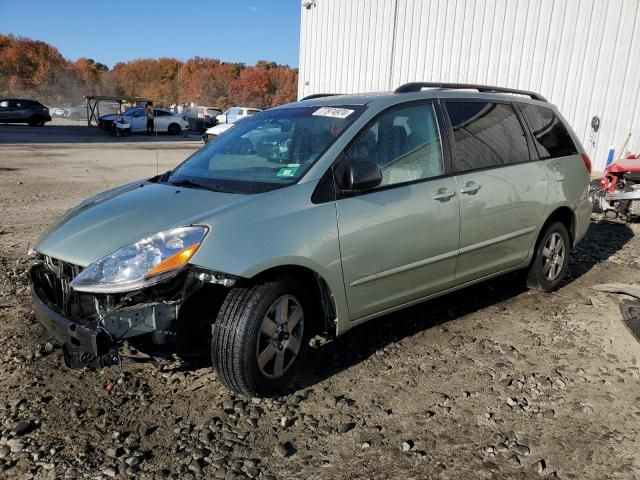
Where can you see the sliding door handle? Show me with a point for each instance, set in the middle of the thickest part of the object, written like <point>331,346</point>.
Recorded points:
<point>470,188</point>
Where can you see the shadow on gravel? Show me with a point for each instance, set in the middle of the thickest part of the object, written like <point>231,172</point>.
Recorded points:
<point>364,340</point>
<point>602,241</point>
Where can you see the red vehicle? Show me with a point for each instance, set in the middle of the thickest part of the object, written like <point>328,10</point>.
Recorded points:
<point>617,193</point>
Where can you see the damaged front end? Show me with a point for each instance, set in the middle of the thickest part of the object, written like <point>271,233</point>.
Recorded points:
<point>91,325</point>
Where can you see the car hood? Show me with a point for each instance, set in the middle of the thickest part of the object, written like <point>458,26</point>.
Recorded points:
<point>121,216</point>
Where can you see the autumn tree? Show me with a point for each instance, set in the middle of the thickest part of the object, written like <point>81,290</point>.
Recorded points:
<point>206,81</point>
<point>265,85</point>
<point>30,68</point>
<point>90,74</point>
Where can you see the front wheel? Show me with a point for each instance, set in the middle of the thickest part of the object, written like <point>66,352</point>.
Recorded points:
<point>260,339</point>
<point>174,129</point>
<point>550,260</point>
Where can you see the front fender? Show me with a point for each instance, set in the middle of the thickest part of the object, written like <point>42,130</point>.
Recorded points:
<point>277,229</point>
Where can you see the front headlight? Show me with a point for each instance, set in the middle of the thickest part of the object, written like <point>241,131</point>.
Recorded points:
<point>141,264</point>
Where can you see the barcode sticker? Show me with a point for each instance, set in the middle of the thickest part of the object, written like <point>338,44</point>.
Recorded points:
<point>333,112</point>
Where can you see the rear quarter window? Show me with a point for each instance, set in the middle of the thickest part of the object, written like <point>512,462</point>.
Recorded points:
<point>550,135</point>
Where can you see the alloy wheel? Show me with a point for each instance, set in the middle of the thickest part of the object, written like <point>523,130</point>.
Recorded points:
<point>553,256</point>
<point>280,337</point>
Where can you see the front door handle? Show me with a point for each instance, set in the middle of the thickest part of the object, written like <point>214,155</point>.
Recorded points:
<point>470,188</point>
<point>444,194</point>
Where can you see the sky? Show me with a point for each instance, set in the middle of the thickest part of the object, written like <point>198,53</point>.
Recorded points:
<point>116,30</point>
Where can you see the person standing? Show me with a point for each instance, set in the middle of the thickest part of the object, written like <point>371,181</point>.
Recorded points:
<point>148,108</point>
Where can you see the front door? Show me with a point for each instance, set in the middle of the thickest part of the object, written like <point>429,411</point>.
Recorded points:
<point>7,108</point>
<point>399,241</point>
<point>138,121</point>
<point>503,191</point>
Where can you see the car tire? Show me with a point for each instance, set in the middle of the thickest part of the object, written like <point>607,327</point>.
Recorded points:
<point>252,341</point>
<point>550,260</point>
<point>174,129</point>
<point>36,121</point>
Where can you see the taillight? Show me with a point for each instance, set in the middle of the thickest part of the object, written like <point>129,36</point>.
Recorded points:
<point>587,161</point>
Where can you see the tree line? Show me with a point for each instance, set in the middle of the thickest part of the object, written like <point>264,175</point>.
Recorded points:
<point>36,69</point>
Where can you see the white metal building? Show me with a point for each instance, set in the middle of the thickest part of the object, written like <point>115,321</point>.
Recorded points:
<point>583,55</point>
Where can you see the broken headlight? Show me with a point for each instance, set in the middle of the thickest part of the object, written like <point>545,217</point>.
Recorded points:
<point>143,263</point>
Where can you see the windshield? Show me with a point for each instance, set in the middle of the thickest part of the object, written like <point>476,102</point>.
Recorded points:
<point>268,150</point>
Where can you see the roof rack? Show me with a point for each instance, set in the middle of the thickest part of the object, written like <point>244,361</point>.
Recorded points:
<point>319,95</point>
<point>417,86</point>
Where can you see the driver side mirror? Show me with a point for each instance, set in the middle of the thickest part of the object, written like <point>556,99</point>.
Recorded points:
<point>363,175</point>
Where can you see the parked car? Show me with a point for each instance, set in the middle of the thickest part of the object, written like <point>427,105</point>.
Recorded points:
<point>204,112</point>
<point>317,216</point>
<point>56,112</point>
<point>213,132</point>
<point>231,115</point>
<point>19,110</point>
<point>209,116</point>
<point>78,112</point>
<point>164,121</point>
<point>106,121</point>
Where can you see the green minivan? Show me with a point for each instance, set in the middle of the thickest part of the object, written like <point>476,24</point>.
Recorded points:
<point>314,217</point>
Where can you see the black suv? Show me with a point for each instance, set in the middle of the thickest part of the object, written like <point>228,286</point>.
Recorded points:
<point>16,110</point>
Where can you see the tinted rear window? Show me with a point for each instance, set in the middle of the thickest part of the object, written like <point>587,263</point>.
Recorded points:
<point>486,135</point>
<point>550,136</point>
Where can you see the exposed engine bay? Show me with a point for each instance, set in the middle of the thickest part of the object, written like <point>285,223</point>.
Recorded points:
<point>92,325</point>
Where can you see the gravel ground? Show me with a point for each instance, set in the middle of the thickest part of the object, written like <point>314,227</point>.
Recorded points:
<point>490,382</point>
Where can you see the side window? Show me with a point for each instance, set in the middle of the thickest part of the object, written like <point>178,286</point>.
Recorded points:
<point>404,142</point>
<point>486,135</point>
<point>550,136</point>
<point>161,113</point>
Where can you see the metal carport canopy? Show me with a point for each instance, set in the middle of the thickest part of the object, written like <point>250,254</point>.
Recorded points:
<point>93,101</point>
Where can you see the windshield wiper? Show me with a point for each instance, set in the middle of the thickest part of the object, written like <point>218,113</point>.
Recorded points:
<point>184,182</point>
<point>189,183</point>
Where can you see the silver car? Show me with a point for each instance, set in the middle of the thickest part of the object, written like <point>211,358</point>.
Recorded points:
<point>315,217</point>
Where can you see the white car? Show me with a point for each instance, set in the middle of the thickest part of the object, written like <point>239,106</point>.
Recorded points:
<point>231,115</point>
<point>216,130</point>
<point>209,112</point>
<point>164,121</point>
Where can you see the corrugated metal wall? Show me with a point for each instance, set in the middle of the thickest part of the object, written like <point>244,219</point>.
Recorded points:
<point>584,56</point>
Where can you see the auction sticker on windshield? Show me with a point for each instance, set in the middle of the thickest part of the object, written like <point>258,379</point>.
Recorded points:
<point>289,171</point>
<point>333,112</point>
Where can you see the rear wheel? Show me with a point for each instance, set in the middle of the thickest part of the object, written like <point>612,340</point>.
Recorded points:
<point>260,339</point>
<point>36,121</point>
<point>549,264</point>
<point>174,129</point>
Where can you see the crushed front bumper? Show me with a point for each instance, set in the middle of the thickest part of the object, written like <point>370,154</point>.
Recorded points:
<point>92,325</point>
<point>86,337</point>
<point>95,323</point>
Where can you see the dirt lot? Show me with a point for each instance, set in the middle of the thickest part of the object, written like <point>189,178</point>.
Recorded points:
<point>491,382</point>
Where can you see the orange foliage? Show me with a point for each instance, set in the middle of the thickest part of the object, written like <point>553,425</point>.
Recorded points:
<point>30,68</point>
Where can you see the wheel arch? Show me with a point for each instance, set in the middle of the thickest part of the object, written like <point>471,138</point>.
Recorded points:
<point>564,215</point>
<point>319,288</point>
